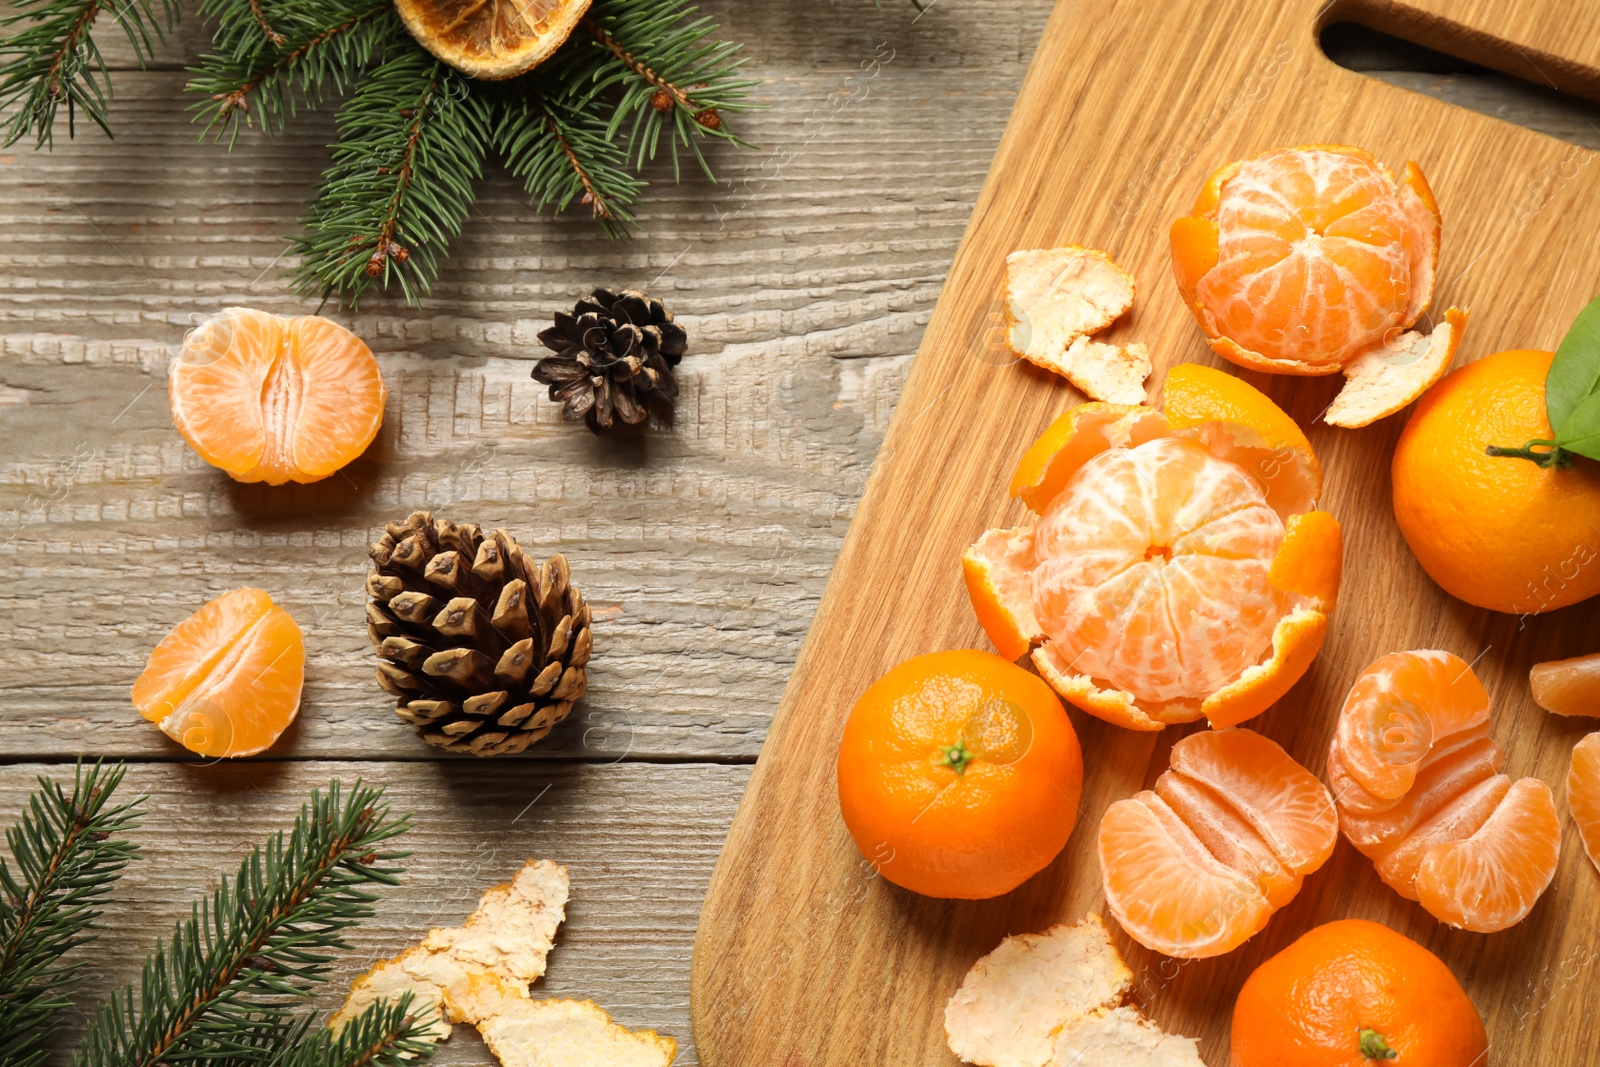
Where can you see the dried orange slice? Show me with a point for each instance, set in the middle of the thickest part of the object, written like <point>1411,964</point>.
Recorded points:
<point>226,681</point>
<point>1416,779</point>
<point>276,400</point>
<point>491,39</point>
<point>1177,569</point>
<point>1315,260</point>
<point>1197,866</point>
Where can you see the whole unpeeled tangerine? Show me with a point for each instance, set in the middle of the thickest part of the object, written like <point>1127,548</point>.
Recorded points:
<point>959,775</point>
<point>1347,994</point>
<point>1499,532</point>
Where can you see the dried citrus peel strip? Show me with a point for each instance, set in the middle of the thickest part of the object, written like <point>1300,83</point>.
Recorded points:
<point>1054,999</point>
<point>508,937</point>
<point>1384,379</point>
<point>560,1033</point>
<point>1055,299</point>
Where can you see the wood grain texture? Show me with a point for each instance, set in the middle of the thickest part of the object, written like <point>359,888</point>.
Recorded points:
<point>803,957</point>
<point>638,840</point>
<point>804,279</point>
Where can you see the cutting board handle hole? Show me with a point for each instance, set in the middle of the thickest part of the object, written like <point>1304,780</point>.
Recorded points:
<point>1495,77</point>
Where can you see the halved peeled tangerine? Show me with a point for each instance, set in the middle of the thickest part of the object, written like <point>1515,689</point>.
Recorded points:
<point>1417,781</point>
<point>1177,569</point>
<point>276,400</point>
<point>226,681</point>
<point>1315,260</point>
<point>1198,865</point>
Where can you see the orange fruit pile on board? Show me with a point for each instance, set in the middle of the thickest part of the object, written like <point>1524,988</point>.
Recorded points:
<point>1352,993</point>
<point>1315,260</point>
<point>1198,865</point>
<point>959,775</point>
<point>226,681</point>
<point>1177,569</point>
<point>1416,777</point>
<point>275,400</point>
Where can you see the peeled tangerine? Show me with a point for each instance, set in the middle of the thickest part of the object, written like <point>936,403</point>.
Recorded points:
<point>1314,260</point>
<point>1419,791</point>
<point>1197,866</point>
<point>1177,569</point>
<point>276,400</point>
<point>226,681</point>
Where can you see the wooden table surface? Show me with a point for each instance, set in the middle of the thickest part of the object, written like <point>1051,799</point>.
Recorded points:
<point>804,280</point>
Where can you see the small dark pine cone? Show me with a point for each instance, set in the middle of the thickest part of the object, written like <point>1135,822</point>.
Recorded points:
<point>613,359</point>
<point>483,648</point>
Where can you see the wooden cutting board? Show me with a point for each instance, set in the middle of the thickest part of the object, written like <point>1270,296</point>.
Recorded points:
<point>804,958</point>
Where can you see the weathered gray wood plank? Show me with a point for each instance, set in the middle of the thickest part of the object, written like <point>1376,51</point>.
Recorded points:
<point>804,279</point>
<point>639,841</point>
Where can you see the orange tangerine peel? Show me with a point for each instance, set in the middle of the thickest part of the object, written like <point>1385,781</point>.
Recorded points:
<point>1055,299</point>
<point>1315,260</point>
<point>1237,526</point>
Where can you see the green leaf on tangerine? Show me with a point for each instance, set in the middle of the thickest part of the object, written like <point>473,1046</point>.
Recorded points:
<point>1574,378</point>
<point>1580,432</point>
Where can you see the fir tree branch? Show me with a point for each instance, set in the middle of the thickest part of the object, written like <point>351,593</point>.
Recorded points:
<point>669,77</point>
<point>66,861</point>
<point>54,61</point>
<point>224,987</point>
<point>268,58</point>
<point>412,140</point>
<point>561,151</point>
<point>384,1035</point>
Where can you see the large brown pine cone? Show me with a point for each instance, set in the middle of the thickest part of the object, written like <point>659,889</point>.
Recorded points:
<point>613,359</point>
<point>483,648</point>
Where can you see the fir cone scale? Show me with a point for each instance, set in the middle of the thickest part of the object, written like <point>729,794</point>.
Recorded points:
<point>614,359</point>
<point>483,648</point>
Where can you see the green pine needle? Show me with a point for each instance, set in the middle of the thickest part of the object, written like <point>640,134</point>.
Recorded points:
<point>224,988</point>
<point>66,858</point>
<point>384,1035</point>
<point>53,61</point>
<point>271,57</point>
<point>636,49</point>
<point>561,149</point>
<point>635,79</point>
<point>412,140</point>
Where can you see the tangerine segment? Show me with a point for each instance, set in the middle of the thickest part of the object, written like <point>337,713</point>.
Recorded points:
<point>226,681</point>
<point>1167,890</point>
<point>1398,709</point>
<point>1491,880</point>
<point>276,400</point>
<point>1153,570</point>
<point>1281,800</point>
<point>1567,686</point>
<point>1583,794</point>
<point>1464,815</point>
<point>1198,865</point>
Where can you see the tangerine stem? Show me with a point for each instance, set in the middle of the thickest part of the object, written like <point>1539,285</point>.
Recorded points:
<point>1543,452</point>
<point>1374,1047</point>
<point>956,756</point>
